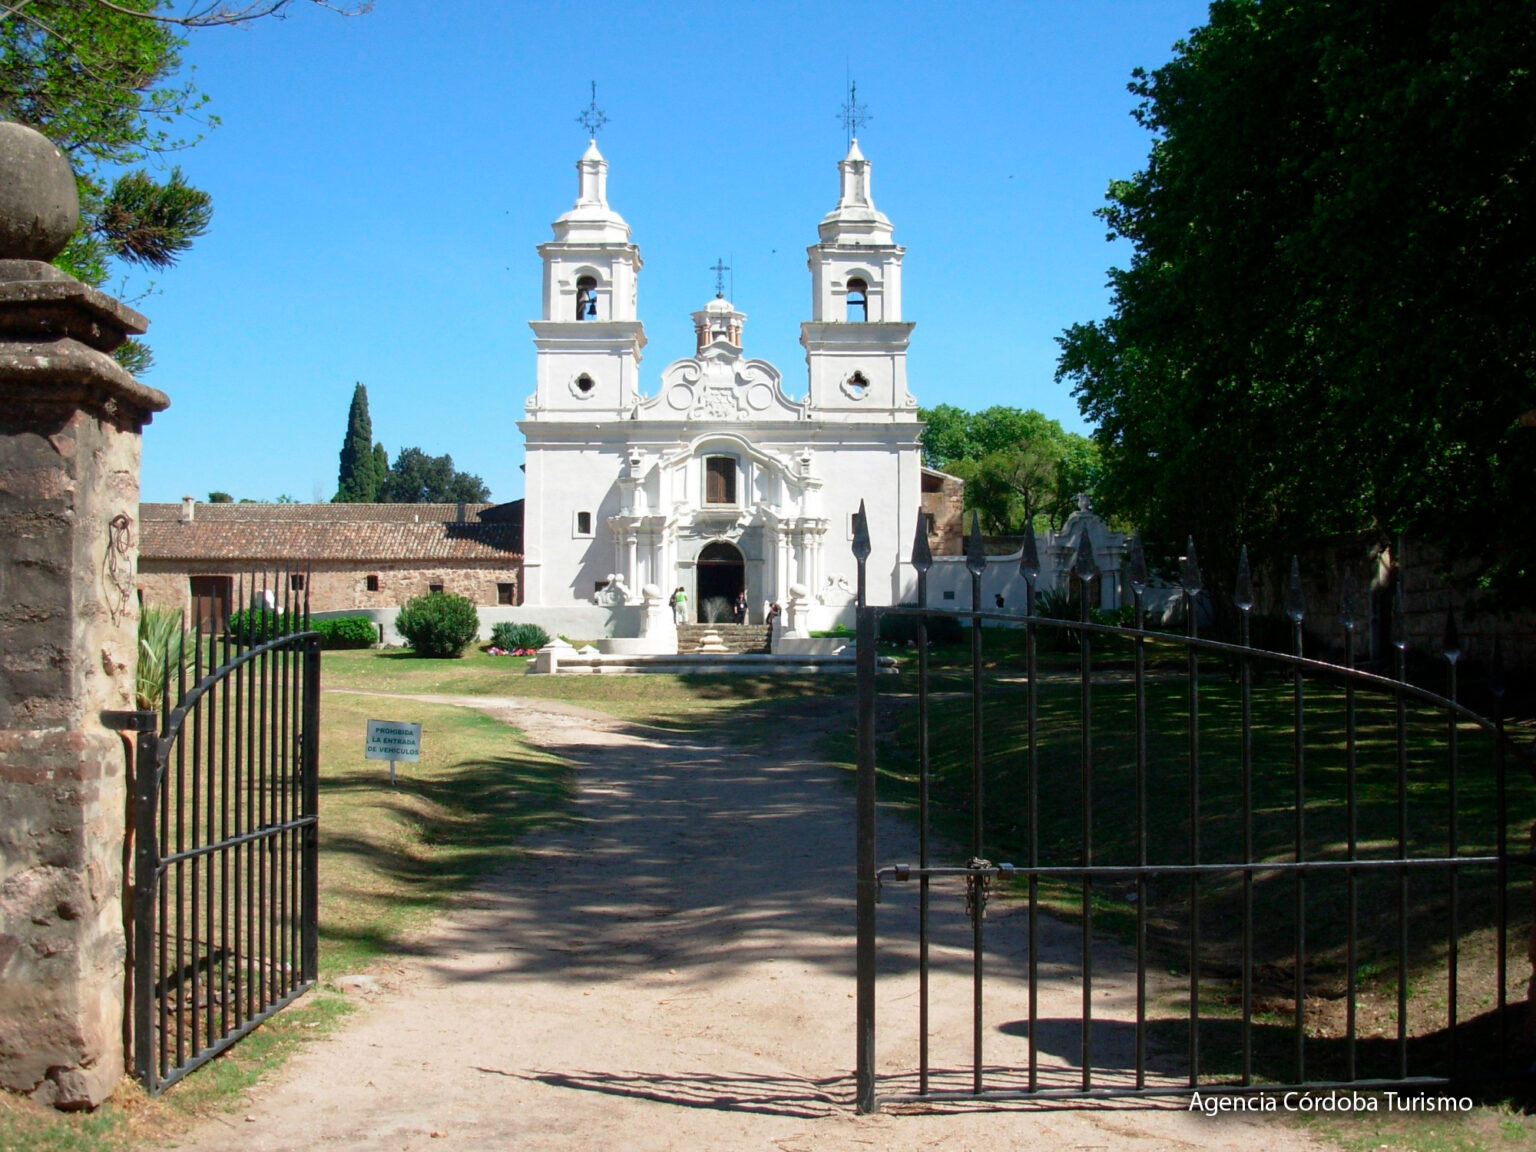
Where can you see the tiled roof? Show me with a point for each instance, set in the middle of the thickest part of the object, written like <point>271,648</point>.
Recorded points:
<point>318,513</point>
<point>358,532</point>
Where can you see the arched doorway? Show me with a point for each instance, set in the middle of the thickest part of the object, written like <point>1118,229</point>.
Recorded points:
<point>722,574</point>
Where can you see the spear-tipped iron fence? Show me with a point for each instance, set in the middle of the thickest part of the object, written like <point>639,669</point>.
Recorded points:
<point>224,828</point>
<point>1310,851</point>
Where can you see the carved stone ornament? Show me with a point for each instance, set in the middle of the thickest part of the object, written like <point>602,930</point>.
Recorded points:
<point>835,587</point>
<point>713,403</point>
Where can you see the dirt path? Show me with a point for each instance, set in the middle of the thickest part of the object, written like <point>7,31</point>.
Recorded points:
<point>676,972</point>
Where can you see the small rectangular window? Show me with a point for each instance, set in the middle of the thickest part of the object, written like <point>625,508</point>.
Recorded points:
<point>583,523</point>
<point>719,480</point>
<point>949,595</point>
<point>373,583</point>
<point>928,523</point>
<point>296,581</point>
<point>506,593</point>
<point>434,587</point>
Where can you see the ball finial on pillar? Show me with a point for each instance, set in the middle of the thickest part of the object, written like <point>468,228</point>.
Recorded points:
<point>39,206</point>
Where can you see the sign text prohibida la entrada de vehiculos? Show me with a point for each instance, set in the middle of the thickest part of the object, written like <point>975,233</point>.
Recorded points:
<point>393,740</point>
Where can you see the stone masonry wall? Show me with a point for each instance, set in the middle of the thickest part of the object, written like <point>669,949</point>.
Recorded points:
<point>68,626</point>
<point>337,587</point>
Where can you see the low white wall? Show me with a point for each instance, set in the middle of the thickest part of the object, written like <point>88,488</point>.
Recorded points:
<point>812,645</point>
<point>577,621</point>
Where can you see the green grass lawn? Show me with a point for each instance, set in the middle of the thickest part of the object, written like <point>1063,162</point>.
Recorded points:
<point>652,698</point>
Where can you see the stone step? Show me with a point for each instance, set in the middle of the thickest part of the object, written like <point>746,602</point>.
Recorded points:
<point>738,638</point>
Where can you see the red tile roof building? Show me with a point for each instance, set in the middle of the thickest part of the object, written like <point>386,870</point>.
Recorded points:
<point>350,556</point>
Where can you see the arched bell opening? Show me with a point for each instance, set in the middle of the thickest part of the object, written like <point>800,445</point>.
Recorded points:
<point>722,574</point>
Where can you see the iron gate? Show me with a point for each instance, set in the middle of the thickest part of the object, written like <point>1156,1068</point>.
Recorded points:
<point>225,837</point>
<point>1334,845</point>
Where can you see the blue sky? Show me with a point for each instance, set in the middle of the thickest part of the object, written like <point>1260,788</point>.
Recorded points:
<point>380,184</point>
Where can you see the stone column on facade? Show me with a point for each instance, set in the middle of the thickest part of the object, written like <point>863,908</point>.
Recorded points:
<point>70,422</point>
<point>632,565</point>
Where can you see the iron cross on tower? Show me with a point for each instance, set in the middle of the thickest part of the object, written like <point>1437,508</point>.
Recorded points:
<point>854,116</point>
<point>720,268</point>
<point>592,117</point>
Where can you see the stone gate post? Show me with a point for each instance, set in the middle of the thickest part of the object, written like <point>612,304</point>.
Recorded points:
<point>70,421</point>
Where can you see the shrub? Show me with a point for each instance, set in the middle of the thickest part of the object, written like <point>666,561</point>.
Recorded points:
<point>438,624</point>
<point>942,630</point>
<point>1058,604</point>
<point>160,638</point>
<point>347,632</point>
<point>510,637</point>
<point>258,625</point>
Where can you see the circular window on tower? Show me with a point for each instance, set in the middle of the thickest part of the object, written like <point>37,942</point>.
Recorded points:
<point>856,387</point>
<point>583,386</point>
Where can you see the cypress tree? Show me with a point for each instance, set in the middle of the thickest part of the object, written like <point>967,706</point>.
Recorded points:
<point>360,477</point>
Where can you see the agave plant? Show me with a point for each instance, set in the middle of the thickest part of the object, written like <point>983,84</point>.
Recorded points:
<point>160,641</point>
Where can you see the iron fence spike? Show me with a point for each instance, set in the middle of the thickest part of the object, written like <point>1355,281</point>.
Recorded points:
<point>1189,571</point>
<point>922,555</point>
<point>1399,615</point>
<point>975,552</point>
<point>861,547</point>
<point>1496,669</point>
<point>1084,566</point>
<point>1349,608</point>
<point>1452,643</point>
<point>1295,596</point>
<point>1029,556</point>
<point>1242,591</point>
<point>1138,562</point>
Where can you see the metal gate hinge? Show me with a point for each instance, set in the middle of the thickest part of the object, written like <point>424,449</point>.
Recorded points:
<point>121,720</point>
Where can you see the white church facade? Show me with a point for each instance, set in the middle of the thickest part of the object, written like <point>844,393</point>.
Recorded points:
<point>720,481</point>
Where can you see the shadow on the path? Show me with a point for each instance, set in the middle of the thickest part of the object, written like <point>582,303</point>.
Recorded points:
<point>791,1096</point>
<point>720,844</point>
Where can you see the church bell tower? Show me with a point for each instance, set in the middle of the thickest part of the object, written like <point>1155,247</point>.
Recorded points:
<point>589,338</point>
<point>856,341</point>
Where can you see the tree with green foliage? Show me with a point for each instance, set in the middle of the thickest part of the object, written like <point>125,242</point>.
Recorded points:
<point>361,473</point>
<point>1017,464</point>
<point>1329,320</point>
<point>99,79</point>
<point>416,478</point>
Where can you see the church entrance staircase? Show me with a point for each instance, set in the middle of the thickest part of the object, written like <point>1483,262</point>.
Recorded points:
<point>739,638</point>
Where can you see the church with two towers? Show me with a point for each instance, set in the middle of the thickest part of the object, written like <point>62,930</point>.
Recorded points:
<point>719,480</point>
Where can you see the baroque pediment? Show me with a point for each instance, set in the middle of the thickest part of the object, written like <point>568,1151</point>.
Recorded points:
<point>720,385</point>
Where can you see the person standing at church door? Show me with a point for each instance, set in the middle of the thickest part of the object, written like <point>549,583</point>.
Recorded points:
<point>680,606</point>
<point>739,609</point>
